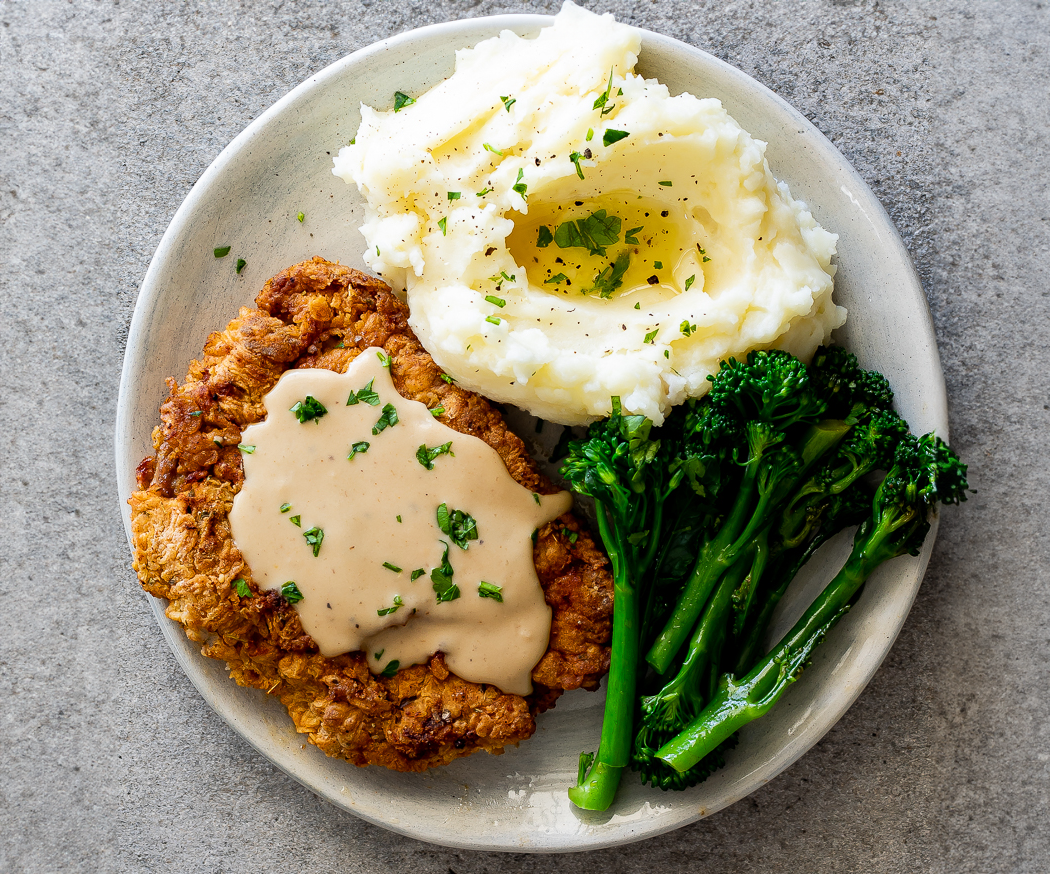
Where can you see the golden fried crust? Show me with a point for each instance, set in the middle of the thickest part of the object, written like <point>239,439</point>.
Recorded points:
<point>320,314</point>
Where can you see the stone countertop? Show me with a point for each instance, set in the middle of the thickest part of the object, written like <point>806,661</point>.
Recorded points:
<point>111,761</point>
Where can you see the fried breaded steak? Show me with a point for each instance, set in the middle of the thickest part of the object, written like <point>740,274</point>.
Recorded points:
<point>320,314</point>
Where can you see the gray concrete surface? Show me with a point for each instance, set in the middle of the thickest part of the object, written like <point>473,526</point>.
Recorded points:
<point>110,761</point>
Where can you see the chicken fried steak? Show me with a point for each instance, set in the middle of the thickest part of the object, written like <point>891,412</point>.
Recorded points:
<point>320,314</point>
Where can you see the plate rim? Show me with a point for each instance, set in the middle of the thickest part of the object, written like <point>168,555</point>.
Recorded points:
<point>189,657</point>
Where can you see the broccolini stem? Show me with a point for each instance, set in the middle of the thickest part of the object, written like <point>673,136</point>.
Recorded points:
<point>737,704</point>
<point>596,788</point>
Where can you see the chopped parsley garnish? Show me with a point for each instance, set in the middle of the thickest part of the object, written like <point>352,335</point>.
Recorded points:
<point>557,277</point>
<point>451,380</point>
<point>459,526</point>
<point>441,579</point>
<point>490,590</point>
<point>508,102</point>
<point>387,420</point>
<point>437,411</point>
<point>545,238</point>
<point>650,338</point>
<point>686,328</point>
<point>590,134</point>
<point>246,448</point>
<point>705,260</point>
<point>398,517</point>
<point>365,395</point>
<point>443,224</point>
<point>379,654</point>
<point>638,306</point>
<point>425,456</point>
<point>593,233</point>
<point>518,185</point>
<point>629,238</point>
<point>666,183</point>
<point>614,136</point>
<point>536,498</point>
<point>495,301</point>
<point>241,263</point>
<point>492,320</point>
<point>196,413</point>
<point>483,192</point>
<point>386,611</point>
<point>602,102</point>
<point>301,217</point>
<point>308,409</point>
<point>575,158</point>
<point>689,282</point>
<point>291,592</point>
<point>611,278</point>
<point>357,448</point>
<point>667,353</point>
<point>571,535</point>
<point>384,359</point>
<point>417,573</point>
<point>285,508</point>
<point>391,668</point>
<point>221,251</point>
<point>489,148</point>
<point>453,195</point>
<point>659,265</point>
<point>241,587</point>
<point>296,520</point>
<point>313,538</point>
<point>391,567</point>
<point>401,100</point>
<point>502,277</point>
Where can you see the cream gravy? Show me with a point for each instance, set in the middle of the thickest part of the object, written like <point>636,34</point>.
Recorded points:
<point>378,511</point>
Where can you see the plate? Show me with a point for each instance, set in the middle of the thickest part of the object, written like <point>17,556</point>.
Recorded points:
<point>249,200</point>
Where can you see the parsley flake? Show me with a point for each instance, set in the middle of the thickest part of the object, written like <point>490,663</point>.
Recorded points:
<point>365,395</point>
<point>451,380</point>
<point>575,158</point>
<point>613,136</point>
<point>241,587</point>
<point>291,592</point>
<point>313,538</point>
<point>666,183</point>
<point>490,590</point>
<point>650,338</point>
<point>536,498</point>
<point>417,573</point>
<point>489,148</point>
<point>556,278</point>
<point>453,195</point>
<point>308,409</point>
<point>386,611</point>
<point>508,102</point>
<point>571,535</point>
<point>437,411</point>
<point>590,134</point>
<point>296,520</point>
<point>602,102</point>
<point>443,224</point>
<point>301,217</point>
<point>391,669</point>
<point>401,100</point>
<point>357,449</point>
<point>611,278</point>
<point>659,265</point>
<point>384,359</point>
<point>221,251</point>
<point>519,186</point>
<point>241,263</point>
<point>689,282</point>
<point>460,527</point>
<point>391,567</point>
<point>686,328</point>
<point>483,192</point>
<point>593,233</point>
<point>441,579</point>
<point>246,448</point>
<point>425,456</point>
<point>386,420</point>
<point>629,238</point>
<point>285,508</point>
<point>545,237</point>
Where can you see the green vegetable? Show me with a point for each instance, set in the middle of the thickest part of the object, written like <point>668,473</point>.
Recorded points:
<point>384,359</point>
<point>365,395</point>
<point>285,508</point>
<point>460,527</point>
<point>246,448</point>
<point>391,669</point>
<point>453,195</point>
<point>508,102</point>
<point>602,102</point>
<point>308,409</point>
<point>425,456</point>
<point>357,448</point>
<point>302,217</point>
<point>629,238</point>
<point>545,237</point>
<point>401,100</point>
<point>387,420</point>
<point>575,158</point>
<point>313,538</point>
<point>519,186</point>
<point>495,301</point>
<point>221,251</point>
<point>291,592</point>
<point>593,233</point>
<point>613,136</point>
<point>241,263</point>
<point>417,573</point>
<point>611,278</point>
<point>391,567</point>
<point>490,590</point>
<point>689,282</point>
<point>242,589</point>
<point>441,579</point>
<point>443,224</point>
<point>386,611</point>
<point>296,520</point>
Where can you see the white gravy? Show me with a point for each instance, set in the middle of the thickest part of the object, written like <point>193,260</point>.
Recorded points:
<point>357,503</point>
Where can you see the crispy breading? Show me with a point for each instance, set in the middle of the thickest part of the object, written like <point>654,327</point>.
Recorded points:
<point>320,314</point>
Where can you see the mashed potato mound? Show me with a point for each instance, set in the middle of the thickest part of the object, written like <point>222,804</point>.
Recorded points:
<point>566,231</point>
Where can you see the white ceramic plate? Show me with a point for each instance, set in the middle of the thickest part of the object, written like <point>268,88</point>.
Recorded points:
<point>249,198</point>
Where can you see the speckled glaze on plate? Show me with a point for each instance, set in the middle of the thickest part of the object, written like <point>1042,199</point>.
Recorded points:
<point>249,199</point>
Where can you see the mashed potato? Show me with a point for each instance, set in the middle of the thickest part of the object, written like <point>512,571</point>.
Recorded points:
<point>566,231</point>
